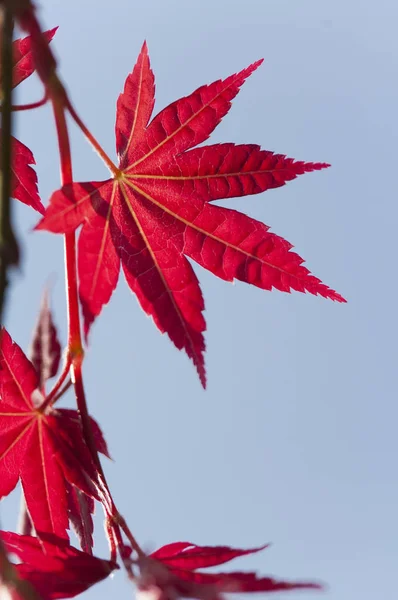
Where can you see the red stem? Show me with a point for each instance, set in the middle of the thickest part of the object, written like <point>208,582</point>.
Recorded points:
<point>53,395</point>
<point>32,105</point>
<point>134,544</point>
<point>123,551</point>
<point>111,537</point>
<point>77,380</point>
<point>61,392</point>
<point>75,348</point>
<point>74,337</point>
<point>46,69</point>
<point>102,154</point>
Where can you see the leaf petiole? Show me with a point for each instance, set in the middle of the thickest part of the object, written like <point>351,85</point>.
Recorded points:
<point>30,106</point>
<point>91,139</point>
<point>56,392</point>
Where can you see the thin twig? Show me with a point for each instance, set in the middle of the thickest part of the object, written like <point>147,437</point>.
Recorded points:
<point>55,392</point>
<point>61,392</point>
<point>91,139</point>
<point>31,105</point>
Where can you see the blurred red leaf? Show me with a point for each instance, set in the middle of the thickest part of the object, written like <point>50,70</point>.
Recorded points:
<point>23,59</point>
<point>53,567</point>
<point>185,555</point>
<point>171,572</point>
<point>45,351</point>
<point>24,178</point>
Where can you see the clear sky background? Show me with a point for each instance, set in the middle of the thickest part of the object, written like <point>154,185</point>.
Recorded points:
<point>295,440</point>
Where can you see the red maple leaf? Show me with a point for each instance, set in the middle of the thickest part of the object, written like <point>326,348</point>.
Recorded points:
<point>157,209</point>
<point>53,567</point>
<point>45,449</point>
<point>171,573</point>
<point>24,178</point>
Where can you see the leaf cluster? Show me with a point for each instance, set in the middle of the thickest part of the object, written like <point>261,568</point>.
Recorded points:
<point>157,212</point>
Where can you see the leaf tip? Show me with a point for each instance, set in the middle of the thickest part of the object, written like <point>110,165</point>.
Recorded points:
<point>40,208</point>
<point>202,376</point>
<point>251,68</point>
<point>199,362</point>
<point>40,225</point>
<point>51,32</point>
<point>338,298</point>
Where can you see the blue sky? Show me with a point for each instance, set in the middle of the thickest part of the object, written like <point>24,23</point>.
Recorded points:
<point>294,442</point>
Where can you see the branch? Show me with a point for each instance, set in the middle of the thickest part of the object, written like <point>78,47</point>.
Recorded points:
<point>9,252</point>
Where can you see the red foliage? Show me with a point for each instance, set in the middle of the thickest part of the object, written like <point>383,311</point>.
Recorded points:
<point>154,214</point>
<point>45,450</point>
<point>171,572</point>
<point>23,60</point>
<point>53,567</point>
<point>157,210</point>
<point>24,178</point>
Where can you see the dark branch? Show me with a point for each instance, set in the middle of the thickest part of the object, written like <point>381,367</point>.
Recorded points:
<point>9,253</point>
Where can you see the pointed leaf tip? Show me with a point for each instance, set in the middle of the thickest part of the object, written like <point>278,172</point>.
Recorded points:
<point>51,32</point>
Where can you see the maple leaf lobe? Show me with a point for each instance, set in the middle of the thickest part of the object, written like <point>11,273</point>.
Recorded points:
<point>139,90</point>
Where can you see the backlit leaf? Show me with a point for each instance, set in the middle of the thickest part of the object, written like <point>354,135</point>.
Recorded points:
<point>53,567</point>
<point>23,60</point>
<point>171,572</point>
<point>45,450</point>
<point>158,210</point>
